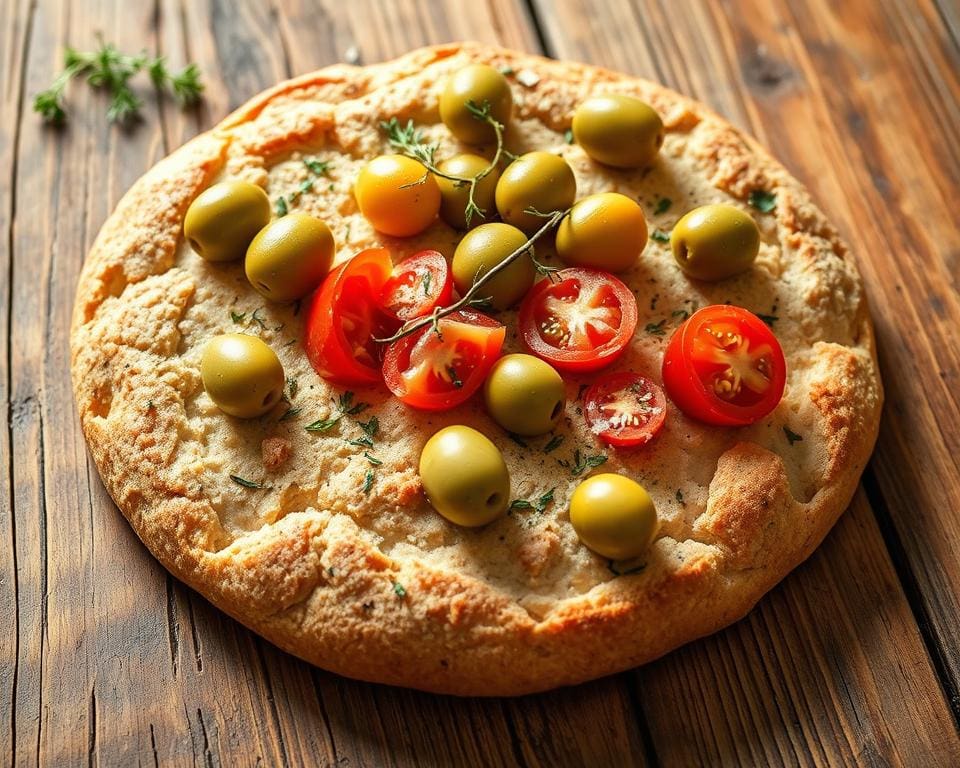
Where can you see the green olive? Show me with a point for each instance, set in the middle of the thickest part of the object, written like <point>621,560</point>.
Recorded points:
<point>524,394</point>
<point>606,231</point>
<point>537,180</point>
<point>223,219</point>
<point>464,476</point>
<point>614,516</point>
<point>290,257</point>
<point>477,83</point>
<point>480,250</point>
<point>715,241</point>
<point>454,196</point>
<point>242,375</point>
<point>618,130</point>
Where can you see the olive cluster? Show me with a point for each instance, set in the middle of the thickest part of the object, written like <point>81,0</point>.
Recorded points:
<point>464,475</point>
<point>284,260</point>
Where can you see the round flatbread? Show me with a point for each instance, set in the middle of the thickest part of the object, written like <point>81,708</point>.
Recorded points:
<point>343,562</point>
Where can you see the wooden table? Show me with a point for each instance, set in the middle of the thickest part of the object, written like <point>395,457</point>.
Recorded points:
<point>854,659</point>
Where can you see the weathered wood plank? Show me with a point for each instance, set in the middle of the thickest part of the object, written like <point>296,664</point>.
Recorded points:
<point>770,71</point>
<point>176,682</point>
<point>15,23</point>
<point>115,661</point>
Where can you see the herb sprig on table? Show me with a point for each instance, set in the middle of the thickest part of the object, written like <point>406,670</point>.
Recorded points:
<point>109,68</point>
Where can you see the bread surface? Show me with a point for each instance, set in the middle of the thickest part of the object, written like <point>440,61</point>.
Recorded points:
<point>372,583</point>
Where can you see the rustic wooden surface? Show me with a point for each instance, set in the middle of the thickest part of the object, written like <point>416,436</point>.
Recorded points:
<point>854,659</point>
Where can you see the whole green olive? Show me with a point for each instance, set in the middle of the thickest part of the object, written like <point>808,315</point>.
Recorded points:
<point>714,242</point>
<point>606,231</point>
<point>476,83</point>
<point>224,218</point>
<point>618,130</point>
<point>454,195</point>
<point>524,394</point>
<point>242,375</point>
<point>480,250</point>
<point>290,257</point>
<point>464,476</point>
<point>537,180</point>
<point>614,516</point>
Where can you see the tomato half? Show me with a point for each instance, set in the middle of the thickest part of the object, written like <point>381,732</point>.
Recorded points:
<point>434,372</point>
<point>581,321</point>
<point>625,409</point>
<point>417,285</point>
<point>344,318</point>
<point>724,366</point>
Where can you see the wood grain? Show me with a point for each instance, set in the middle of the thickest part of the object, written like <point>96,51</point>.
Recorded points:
<point>110,660</point>
<point>770,67</point>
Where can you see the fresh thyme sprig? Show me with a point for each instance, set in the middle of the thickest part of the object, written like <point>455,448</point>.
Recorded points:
<point>470,298</point>
<point>408,140</point>
<point>108,68</point>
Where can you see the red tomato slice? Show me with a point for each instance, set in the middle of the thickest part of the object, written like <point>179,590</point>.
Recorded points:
<point>344,317</point>
<point>580,322</point>
<point>417,285</point>
<point>625,409</point>
<point>435,373</point>
<point>724,366</point>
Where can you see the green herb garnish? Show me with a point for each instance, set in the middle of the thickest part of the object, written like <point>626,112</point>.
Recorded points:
<point>400,591</point>
<point>370,427</point>
<point>582,463</point>
<point>659,236</point>
<point>663,205</point>
<point>368,482</point>
<point>246,483</point>
<point>762,200</point>
<point>553,444</point>
<point>290,413</point>
<point>345,407</point>
<point>792,437</point>
<point>112,70</point>
<point>322,425</point>
<point>768,319</point>
<point>568,136</point>
<point>305,186</point>
<point>372,459</point>
<point>656,329</point>
<point>317,167</point>
<point>237,317</point>
<point>517,439</point>
<point>539,504</point>
<point>680,500</point>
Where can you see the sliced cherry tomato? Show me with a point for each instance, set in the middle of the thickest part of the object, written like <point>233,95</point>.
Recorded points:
<point>724,366</point>
<point>344,318</point>
<point>434,372</point>
<point>625,409</point>
<point>417,285</point>
<point>581,321</point>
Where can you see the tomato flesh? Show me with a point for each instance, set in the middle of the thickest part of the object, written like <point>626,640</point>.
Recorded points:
<point>724,366</point>
<point>437,372</point>
<point>417,286</point>
<point>581,321</point>
<point>344,318</point>
<point>625,409</point>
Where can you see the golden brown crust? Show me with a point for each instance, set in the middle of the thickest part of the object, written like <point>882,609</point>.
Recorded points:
<point>376,587</point>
